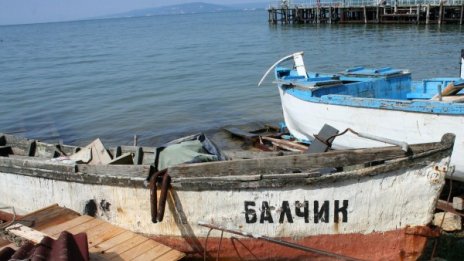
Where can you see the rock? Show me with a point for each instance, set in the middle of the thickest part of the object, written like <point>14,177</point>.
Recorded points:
<point>451,222</point>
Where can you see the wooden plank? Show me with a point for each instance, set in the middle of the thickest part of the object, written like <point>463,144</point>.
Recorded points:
<point>153,253</point>
<point>171,255</point>
<point>448,207</point>
<point>288,145</point>
<point>27,233</point>
<point>242,154</point>
<point>34,165</point>
<point>50,215</point>
<point>115,170</point>
<point>242,134</point>
<point>137,250</point>
<point>102,233</point>
<point>82,156</point>
<point>125,158</point>
<point>115,251</point>
<point>102,246</point>
<point>55,221</point>
<point>85,226</point>
<point>138,157</point>
<point>67,225</point>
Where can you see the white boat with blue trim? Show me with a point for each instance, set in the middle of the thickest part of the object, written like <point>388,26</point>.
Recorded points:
<point>385,102</point>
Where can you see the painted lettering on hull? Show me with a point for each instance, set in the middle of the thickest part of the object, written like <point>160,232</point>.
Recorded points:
<point>297,211</point>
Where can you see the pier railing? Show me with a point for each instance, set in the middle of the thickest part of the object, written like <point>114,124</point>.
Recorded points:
<point>355,3</point>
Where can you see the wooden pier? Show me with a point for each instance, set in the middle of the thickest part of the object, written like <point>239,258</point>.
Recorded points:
<point>105,241</point>
<point>368,12</point>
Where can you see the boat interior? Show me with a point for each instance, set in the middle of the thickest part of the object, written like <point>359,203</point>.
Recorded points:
<point>381,83</point>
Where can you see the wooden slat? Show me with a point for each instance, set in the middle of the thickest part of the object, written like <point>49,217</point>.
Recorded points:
<point>286,144</point>
<point>447,206</point>
<point>103,246</point>
<point>153,253</point>
<point>67,225</point>
<point>137,250</point>
<point>50,216</point>
<point>171,255</point>
<point>105,241</point>
<point>102,233</point>
<point>55,221</point>
<point>117,250</point>
<point>85,226</point>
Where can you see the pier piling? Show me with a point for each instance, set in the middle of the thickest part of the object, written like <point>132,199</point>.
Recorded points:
<point>367,11</point>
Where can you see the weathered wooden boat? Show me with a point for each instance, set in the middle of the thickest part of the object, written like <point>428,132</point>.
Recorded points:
<point>384,102</point>
<point>359,204</point>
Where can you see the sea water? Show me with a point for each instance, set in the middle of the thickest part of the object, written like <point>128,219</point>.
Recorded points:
<point>152,76</point>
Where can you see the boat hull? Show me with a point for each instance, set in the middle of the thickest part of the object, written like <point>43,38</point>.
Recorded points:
<point>343,213</point>
<point>402,244</point>
<point>306,118</point>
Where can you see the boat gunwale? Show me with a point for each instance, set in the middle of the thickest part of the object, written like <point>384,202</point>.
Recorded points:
<point>122,175</point>
<point>413,106</point>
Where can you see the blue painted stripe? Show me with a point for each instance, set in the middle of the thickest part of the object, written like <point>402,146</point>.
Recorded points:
<point>428,106</point>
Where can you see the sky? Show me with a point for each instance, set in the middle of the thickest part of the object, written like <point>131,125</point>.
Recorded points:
<point>40,11</point>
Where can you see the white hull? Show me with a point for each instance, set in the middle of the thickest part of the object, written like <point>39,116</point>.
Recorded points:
<point>304,119</point>
<point>367,204</point>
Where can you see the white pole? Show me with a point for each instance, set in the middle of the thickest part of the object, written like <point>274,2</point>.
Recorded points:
<point>462,64</point>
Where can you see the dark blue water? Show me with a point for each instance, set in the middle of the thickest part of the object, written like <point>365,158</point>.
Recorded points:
<point>151,76</point>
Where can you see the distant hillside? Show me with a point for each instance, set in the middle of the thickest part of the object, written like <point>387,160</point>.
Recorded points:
<point>189,8</point>
<point>250,6</point>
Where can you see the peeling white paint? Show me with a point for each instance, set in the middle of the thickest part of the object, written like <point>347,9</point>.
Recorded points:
<point>375,203</point>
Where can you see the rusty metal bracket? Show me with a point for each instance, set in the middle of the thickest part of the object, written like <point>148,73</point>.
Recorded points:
<point>423,231</point>
<point>157,207</point>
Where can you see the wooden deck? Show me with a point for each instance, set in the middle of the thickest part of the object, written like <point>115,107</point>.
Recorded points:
<point>105,241</point>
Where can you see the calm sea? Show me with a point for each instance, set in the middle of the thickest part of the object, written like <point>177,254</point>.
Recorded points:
<point>151,76</point>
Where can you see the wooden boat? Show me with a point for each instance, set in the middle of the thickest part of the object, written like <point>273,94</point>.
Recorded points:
<point>360,204</point>
<point>384,101</point>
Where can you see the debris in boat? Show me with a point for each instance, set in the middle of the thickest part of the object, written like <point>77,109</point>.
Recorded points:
<point>286,144</point>
<point>84,155</point>
<point>191,149</point>
<point>448,221</point>
<point>323,140</point>
<point>125,158</point>
<point>273,135</point>
<point>247,136</point>
<point>63,159</point>
<point>93,154</point>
